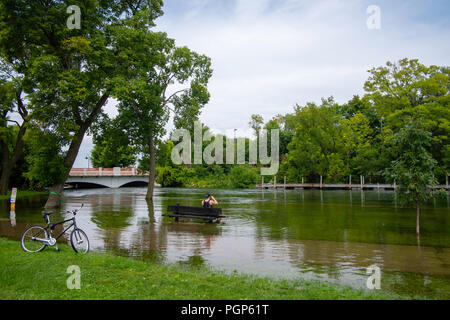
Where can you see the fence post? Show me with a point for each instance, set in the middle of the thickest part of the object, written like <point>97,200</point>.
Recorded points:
<point>361,181</point>
<point>303,180</point>
<point>350,182</point>
<point>320,181</point>
<point>275,182</point>
<point>285,182</point>
<point>262,182</point>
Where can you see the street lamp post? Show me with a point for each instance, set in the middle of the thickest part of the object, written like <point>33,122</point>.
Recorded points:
<point>87,158</point>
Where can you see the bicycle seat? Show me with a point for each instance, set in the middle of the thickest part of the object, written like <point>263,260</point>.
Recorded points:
<point>47,213</point>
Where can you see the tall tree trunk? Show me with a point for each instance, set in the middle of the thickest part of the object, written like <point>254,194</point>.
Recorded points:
<point>54,198</point>
<point>6,171</point>
<point>4,180</point>
<point>152,171</point>
<point>8,162</point>
<point>418,218</point>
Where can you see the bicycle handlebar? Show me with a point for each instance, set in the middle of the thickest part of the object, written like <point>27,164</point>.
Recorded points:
<point>75,211</point>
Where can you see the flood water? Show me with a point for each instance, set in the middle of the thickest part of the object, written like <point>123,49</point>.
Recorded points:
<point>329,236</point>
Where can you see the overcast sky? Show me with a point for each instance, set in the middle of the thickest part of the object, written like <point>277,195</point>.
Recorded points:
<point>268,55</point>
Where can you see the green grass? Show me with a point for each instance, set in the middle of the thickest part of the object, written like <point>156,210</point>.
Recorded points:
<point>43,276</point>
<point>23,194</point>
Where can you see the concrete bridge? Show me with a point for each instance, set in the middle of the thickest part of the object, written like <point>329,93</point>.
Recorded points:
<point>106,177</point>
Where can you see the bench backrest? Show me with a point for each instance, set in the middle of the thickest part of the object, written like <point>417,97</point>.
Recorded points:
<point>200,211</point>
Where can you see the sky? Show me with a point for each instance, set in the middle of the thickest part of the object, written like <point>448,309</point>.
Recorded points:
<point>269,55</point>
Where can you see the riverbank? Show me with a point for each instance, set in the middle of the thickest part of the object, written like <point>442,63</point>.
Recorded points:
<point>23,194</point>
<point>43,276</point>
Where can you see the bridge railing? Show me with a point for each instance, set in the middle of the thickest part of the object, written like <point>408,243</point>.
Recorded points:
<point>105,172</point>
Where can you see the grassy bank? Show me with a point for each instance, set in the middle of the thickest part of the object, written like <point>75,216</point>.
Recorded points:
<point>23,194</point>
<point>43,276</point>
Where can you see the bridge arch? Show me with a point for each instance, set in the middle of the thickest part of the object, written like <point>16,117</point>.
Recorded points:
<point>134,184</point>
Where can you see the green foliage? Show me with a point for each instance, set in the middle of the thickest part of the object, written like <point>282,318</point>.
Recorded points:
<point>408,90</point>
<point>243,177</point>
<point>256,123</point>
<point>317,133</point>
<point>69,74</point>
<point>45,160</point>
<point>108,154</point>
<point>171,176</point>
<point>112,147</point>
<point>356,138</point>
<point>413,166</point>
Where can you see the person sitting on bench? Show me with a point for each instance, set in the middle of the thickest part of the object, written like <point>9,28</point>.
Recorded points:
<point>209,201</point>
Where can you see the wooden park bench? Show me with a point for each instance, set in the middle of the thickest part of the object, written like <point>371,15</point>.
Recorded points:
<point>211,214</point>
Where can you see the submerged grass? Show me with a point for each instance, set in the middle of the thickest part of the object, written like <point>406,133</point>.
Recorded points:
<point>44,275</point>
<point>22,194</point>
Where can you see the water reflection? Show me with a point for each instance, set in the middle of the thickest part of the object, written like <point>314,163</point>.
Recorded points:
<point>317,235</point>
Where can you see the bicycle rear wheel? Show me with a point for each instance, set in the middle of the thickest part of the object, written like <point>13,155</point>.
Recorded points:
<point>79,241</point>
<point>33,239</point>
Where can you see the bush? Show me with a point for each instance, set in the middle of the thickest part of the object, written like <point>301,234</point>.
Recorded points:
<point>172,176</point>
<point>243,177</point>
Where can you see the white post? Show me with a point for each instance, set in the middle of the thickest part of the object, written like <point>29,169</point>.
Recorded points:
<point>84,171</point>
<point>361,179</point>
<point>350,181</point>
<point>275,182</point>
<point>320,181</point>
<point>284,182</point>
<point>262,182</point>
<point>100,171</point>
<point>303,180</point>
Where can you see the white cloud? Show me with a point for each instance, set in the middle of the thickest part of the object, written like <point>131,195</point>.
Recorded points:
<point>269,55</point>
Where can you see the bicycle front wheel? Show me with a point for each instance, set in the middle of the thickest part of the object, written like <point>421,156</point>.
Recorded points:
<point>79,241</point>
<point>34,239</point>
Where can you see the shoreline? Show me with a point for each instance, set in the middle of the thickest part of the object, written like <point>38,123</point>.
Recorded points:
<point>43,275</point>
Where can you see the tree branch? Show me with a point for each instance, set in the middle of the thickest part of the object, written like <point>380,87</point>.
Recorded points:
<point>174,94</point>
<point>14,122</point>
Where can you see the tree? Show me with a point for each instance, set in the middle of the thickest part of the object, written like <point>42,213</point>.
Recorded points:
<point>12,104</point>
<point>412,169</point>
<point>71,73</point>
<point>113,147</point>
<point>44,159</point>
<point>278,122</point>
<point>360,151</point>
<point>243,177</point>
<point>317,136</point>
<point>408,90</point>
<point>145,101</point>
<point>255,123</point>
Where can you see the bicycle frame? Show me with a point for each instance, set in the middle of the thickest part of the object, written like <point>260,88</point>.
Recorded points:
<point>50,227</point>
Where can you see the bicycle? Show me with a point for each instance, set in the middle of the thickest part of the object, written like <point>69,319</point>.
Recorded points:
<point>36,238</point>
